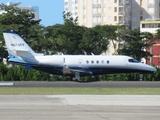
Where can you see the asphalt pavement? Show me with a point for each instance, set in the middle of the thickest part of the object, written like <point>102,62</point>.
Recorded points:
<point>72,84</point>
<point>79,107</point>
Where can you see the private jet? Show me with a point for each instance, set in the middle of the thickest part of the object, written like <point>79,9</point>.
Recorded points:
<point>70,65</point>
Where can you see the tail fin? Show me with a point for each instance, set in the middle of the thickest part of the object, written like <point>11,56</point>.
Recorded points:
<point>17,47</point>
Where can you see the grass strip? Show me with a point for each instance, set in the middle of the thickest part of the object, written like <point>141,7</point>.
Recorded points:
<point>79,91</point>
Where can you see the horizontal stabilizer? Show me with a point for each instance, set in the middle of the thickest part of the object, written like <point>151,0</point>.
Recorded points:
<point>27,67</point>
<point>27,56</point>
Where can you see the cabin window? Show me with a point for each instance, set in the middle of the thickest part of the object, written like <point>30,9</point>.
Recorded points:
<point>97,62</point>
<point>102,61</point>
<point>92,62</point>
<point>87,61</point>
<point>107,61</point>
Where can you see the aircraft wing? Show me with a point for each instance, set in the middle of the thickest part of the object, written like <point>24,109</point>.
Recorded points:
<point>82,71</point>
<point>67,70</point>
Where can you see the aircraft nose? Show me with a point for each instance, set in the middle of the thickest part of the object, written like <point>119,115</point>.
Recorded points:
<point>153,69</point>
<point>148,69</point>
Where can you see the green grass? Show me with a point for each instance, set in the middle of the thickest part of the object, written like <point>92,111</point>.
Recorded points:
<point>79,91</point>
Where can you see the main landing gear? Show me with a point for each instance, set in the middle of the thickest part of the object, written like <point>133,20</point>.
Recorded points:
<point>77,77</point>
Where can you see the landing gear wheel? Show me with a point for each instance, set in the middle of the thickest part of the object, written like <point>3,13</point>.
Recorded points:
<point>74,79</point>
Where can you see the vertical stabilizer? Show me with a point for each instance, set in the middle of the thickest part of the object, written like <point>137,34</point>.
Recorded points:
<point>17,47</point>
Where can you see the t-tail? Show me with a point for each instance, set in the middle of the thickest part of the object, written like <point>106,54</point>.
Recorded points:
<point>18,49</point>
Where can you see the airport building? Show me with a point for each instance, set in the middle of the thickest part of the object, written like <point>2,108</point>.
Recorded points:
<point>152,26</point>
<point>100,12</point>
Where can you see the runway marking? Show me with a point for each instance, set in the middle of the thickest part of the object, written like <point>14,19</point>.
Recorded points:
<point>109,100</point>
<point>6,84</point>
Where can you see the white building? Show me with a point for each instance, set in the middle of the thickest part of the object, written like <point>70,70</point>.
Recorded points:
<point>150,25</point>
<point>128,12</point>
<point>71,6</point>
<point>33,9</point>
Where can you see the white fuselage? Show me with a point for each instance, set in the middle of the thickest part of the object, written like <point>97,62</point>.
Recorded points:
<point>94,63</point>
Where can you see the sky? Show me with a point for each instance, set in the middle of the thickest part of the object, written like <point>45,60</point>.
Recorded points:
<point>50,11</point>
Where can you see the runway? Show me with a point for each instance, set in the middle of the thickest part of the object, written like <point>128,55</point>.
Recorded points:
<point>71,84</point>
<point>79,107</point>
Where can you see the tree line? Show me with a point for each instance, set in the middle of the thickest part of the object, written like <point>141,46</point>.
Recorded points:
<point>70,38</point>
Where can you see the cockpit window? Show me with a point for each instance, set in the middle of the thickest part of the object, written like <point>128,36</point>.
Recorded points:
<point>133,60</point>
